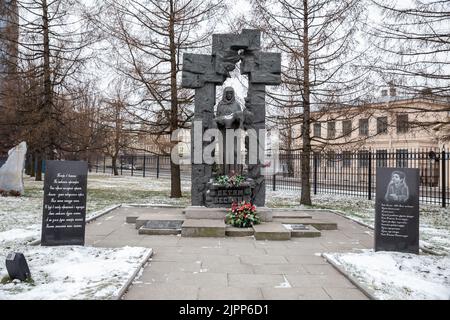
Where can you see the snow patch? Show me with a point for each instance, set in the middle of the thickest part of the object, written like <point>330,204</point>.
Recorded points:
<point>74,272</point>
<point>399,276</point>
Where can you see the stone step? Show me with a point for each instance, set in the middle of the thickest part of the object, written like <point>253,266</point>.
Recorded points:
<point>134,212</point>
<point>308,232</point>
<point>290,214</point>
<point>203,228</point>
<point>318,224</point>
<point>198,212</point>
<point>161,227</point>
<point>142,219</point>
<point>271,231</point>
<point>194,212</point>
<point>238,232</point>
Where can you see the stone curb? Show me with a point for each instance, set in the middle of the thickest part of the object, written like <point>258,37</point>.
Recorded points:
<point>130,280</point>
<point>367,292</point>
<point>100,213</point>
<point>130,205</point>
<point>97,214</point>
<point>343,215</point>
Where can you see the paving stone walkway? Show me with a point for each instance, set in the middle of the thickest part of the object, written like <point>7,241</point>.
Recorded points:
<point>235,268</point>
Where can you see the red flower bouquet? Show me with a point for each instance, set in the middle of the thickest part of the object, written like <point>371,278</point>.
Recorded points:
<point>242,215</point>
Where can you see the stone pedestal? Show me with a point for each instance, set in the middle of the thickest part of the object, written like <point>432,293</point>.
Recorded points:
<point>199,212</point>
<point>219,196</point>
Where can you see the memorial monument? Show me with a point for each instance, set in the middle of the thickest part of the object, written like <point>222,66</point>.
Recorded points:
<point>203,73</point>
<point>11,173</point>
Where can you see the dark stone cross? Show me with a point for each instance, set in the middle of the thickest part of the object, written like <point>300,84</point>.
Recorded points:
<point>204,72</point>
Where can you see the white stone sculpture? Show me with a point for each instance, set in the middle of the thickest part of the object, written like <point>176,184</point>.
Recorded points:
<point>11,173</point>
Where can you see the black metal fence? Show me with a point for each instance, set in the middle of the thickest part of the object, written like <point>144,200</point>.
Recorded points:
<point>345,173</point>
<point>354,172</point>
<point>146,165</point>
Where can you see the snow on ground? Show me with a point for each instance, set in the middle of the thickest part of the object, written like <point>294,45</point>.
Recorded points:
<point>21,217</point>
<point>283,198</point>
<point>398,276</point>
<point>107,190</point>
<point>434,220</point>
<point>72,272</point>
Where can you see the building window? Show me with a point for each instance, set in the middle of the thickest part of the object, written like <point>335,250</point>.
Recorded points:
<point>331,130</point>
<point>331,158</point>
<point>402,158</point>
<point>363,127</point>
<point>382,125</point>
<point>402,123</point>
<point>363,158</point>
<point>346,127</point>
<point>317,130</point>
<point>346,159</point>
<point>381,156</point>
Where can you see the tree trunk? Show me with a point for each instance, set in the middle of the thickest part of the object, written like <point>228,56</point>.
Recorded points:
<point>33,165</point>
<point>114,165</point>
<point>48,96</point>
<point>290,160</point>
<point>39,167</point>
<point>28,164</point>
<point>175,183</point>
<point>306,167</point>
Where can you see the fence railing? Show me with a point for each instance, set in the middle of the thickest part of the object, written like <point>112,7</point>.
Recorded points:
<point>345,173</point>
<point>354,173</point>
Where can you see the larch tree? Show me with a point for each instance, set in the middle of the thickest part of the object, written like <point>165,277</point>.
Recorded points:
<point>317,39</point>
<point>413,42</point>
<point>147,39</point>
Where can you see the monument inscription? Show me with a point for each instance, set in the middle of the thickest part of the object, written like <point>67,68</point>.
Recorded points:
<point>397,210</point>
<point>64,216</point>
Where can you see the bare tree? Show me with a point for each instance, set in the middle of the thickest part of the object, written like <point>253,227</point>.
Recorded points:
<point>148,38</point>
<point>8,70</point>
<point>414,53</point>
<point>317,40</point>
<point>49,60</point>
<point>118,133</point>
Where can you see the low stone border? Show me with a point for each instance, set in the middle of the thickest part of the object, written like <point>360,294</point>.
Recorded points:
<point>129,282</point>
<point>100,213</point>
<point>367,292</point>
<point>343,215</point>
<point>153,205</point>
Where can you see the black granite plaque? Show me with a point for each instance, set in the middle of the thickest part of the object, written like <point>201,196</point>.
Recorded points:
<point>64,217</point>
<point>164,224</point>
<point>397,210</point>
<point>299,226</point>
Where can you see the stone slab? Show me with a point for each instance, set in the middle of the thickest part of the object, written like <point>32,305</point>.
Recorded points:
<point>290,215</point>
<point>203,228</point>
<point>265,213</point>
<point>199,212</point>
<point>142,219</point>
<point>271,231</point>
<point>309,232</point>
<point>318,224</point>
<point>238,232</point>
<point>131,219</point>
<point>149,231</point>
<point>255,280</point>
